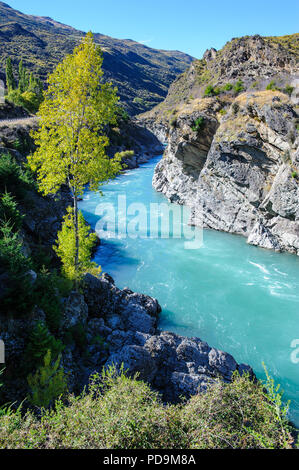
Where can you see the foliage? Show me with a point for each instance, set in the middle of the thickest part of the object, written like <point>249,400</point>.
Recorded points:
<point>77,334</point>
<point>71,141</point>
<point>10,79</point>
<point>121,115</point>
<point>28,93</point>
<point>48,383</point>
<point>125,154</point>
<point>13,178</point>
<point>211,91</point>
<point>289,90</point>
<point>118,412</point>
<point>66,247</point>
<point>228,87</point>
<point>294,174</point>
<point>198,124</point>
<point>11,253</point>
<point>9,212</point>
<point>76,109</point>
<point>271,86</point>
<point>239,415</point>
<point>40,342</point>
<point>46,293</point>
<point>239,87</point>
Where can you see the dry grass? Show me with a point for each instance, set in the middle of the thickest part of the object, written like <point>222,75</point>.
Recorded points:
<point>261,98</point>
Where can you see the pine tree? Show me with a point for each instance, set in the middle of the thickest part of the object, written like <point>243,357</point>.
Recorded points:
<point>40,341</point>
<point>10,79</point>
<point>71,139</point>
<point>23,78</point>
<point>48,383</point>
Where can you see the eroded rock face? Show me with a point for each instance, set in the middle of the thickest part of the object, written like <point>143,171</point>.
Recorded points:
<point>247,183</point>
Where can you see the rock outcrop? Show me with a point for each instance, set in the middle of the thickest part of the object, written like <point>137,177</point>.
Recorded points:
<point>241,170</point>
<point>121,329</point>
<point>250,63</point>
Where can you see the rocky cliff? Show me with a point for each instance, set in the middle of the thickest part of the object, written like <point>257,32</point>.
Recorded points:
<point>233,153</point>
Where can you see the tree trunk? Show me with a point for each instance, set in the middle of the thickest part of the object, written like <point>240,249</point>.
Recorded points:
<point>76,232</point>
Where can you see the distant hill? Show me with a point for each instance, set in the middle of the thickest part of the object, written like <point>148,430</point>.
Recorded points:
<point>142,75</point>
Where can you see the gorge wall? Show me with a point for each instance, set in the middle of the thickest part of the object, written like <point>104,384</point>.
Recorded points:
<point>233,151</point>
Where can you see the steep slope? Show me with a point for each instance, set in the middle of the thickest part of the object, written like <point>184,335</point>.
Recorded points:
<point>250,63</point>
<point>142,74</point>
<point>234,157</point>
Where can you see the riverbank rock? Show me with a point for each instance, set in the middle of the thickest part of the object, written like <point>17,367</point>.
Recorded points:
<point>241,176</point>
<point>175,365</point>
<point>172,364</point>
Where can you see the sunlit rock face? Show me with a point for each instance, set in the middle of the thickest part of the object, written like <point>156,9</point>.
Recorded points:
<point>242,169</point>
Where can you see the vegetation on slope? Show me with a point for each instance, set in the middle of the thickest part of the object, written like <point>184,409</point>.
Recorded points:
<point>118,412</point>
<point>250,63</point>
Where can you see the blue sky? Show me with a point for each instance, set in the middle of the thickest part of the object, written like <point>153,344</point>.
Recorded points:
<point>191,26</point>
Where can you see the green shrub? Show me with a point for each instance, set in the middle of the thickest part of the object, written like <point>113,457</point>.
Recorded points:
<point>23,144</point>
<point>46,293</point>
<point>77,334</point>
<point>198,124</point>
<point>239,87</point>
<point>271,86</point>
<point>223,112</point>
<point>288,90</point>
<point>9,212</point>
<point>238,415</point>
<point>118,412</point>
<point>13,178</point>
<point>294,174</point>
<point>122,115</point>
<point>65,247</point>
<point>228,87</point>
<point>28,100</point>
<point>48,383</point>
<point>125,154</point>
<point>12,257</point>
<point>40,342</point>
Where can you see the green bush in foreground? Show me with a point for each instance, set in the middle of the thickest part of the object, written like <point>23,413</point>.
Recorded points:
<point>122,413</point>
<point>48,383</point>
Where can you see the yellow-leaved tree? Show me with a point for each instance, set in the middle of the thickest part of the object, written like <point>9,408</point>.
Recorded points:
<point>71,141</point>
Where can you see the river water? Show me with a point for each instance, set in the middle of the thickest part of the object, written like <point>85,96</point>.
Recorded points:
<point>241,299</point>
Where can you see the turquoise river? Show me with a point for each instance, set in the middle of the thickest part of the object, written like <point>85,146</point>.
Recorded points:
<point>241,299</point>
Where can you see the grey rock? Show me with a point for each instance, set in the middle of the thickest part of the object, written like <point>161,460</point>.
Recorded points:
<point>75,311</point>
<point>238,177</point>
<point>174,365</point>
<point>135,360</point>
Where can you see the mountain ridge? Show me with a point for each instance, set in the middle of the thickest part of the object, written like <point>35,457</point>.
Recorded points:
<point>142,74</point>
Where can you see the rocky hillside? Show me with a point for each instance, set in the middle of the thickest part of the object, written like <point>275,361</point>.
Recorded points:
<point>250,63</point>
<point>233,150</point>
<point>142,74</point>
